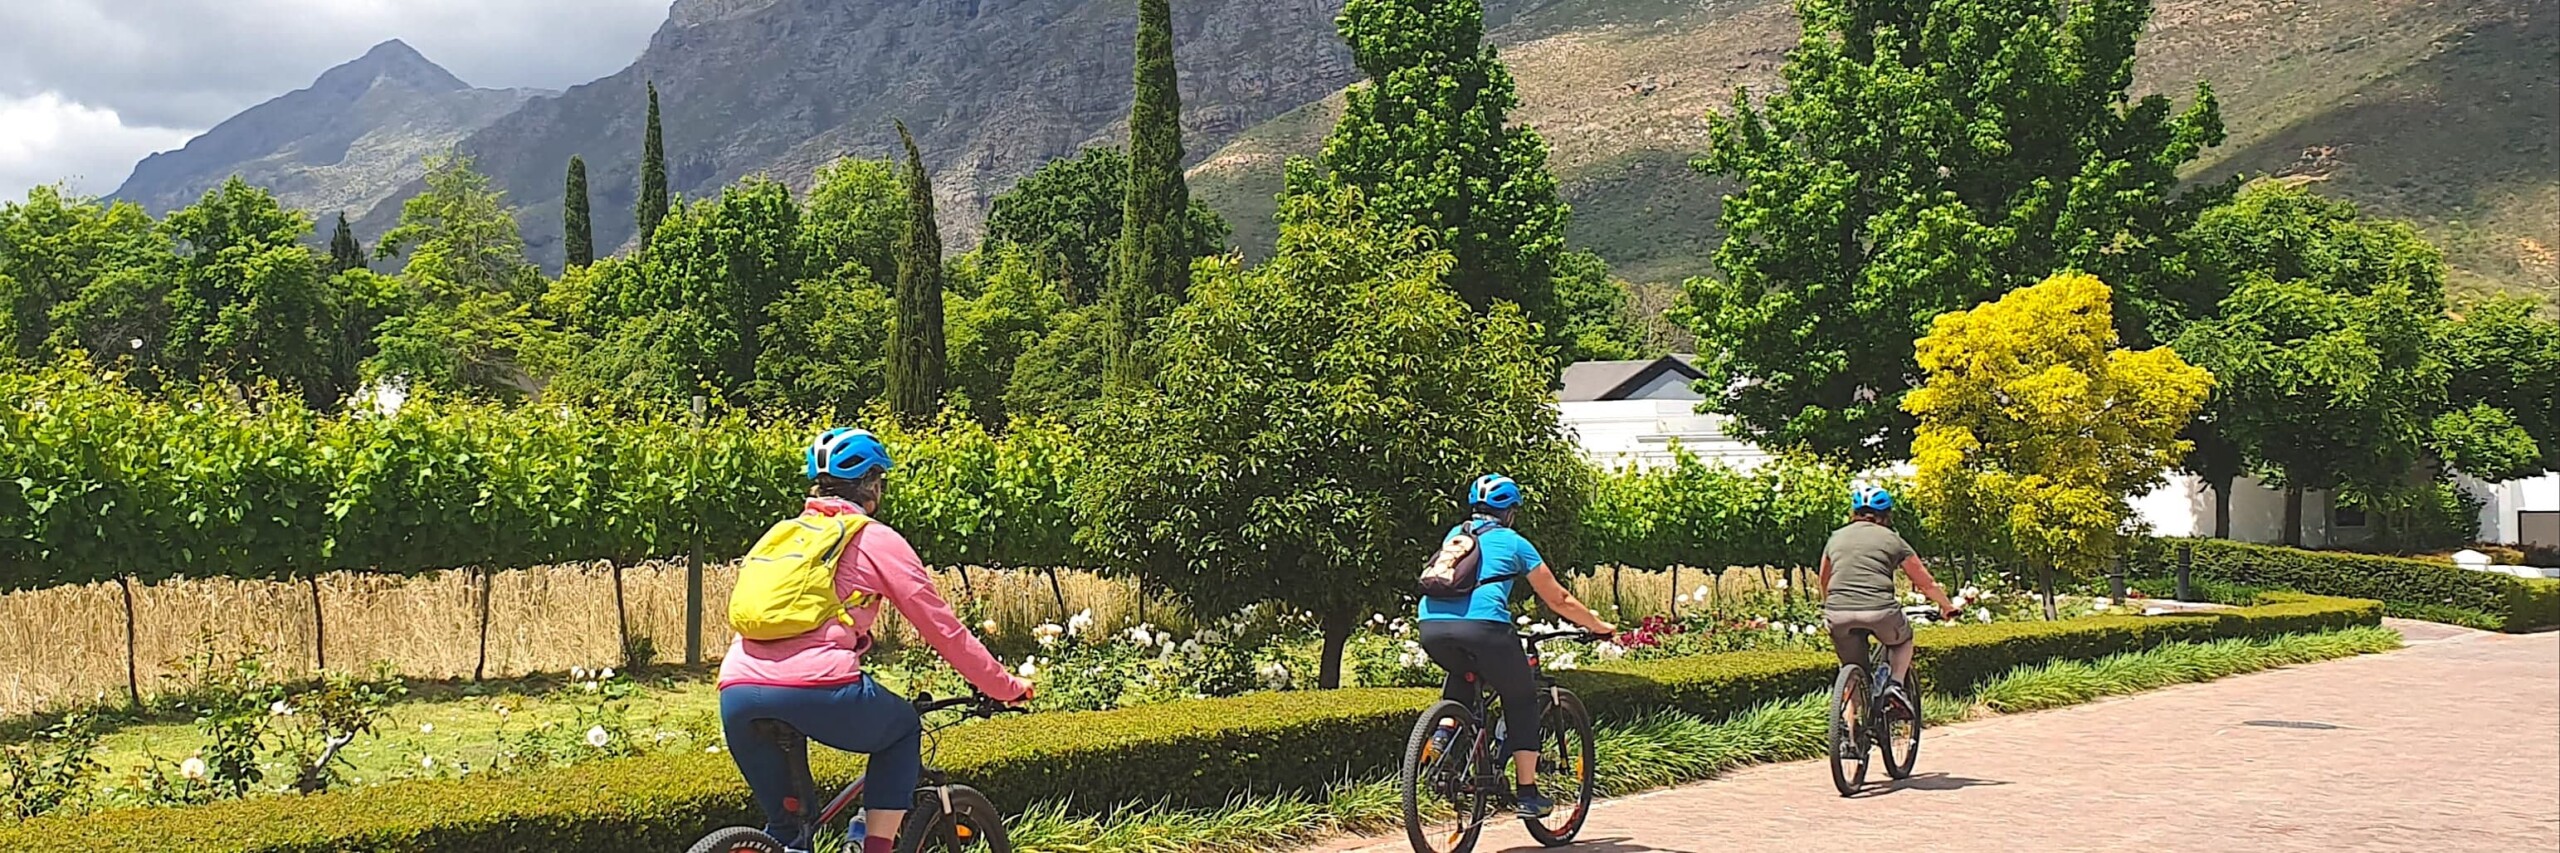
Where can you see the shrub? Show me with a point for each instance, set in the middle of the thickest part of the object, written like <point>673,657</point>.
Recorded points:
<point>1184,754</point>
<point>2415,589</point>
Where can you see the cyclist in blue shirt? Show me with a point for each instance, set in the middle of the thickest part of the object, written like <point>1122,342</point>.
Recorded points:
<point>1472,632</point>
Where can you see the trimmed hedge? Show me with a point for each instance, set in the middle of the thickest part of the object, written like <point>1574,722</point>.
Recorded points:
<point>1191,754</point>
<point>2415,589</point>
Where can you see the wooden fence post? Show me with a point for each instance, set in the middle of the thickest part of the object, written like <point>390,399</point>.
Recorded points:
<point>621,616</point>
<point>693,556</point>
<point>480,670</point>
<point>1061,592</point>
<point>319,627</point>
<point>132,666</point>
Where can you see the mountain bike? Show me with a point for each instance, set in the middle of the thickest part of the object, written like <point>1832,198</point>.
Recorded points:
<point>1860,718</point>
<point>1467,774</point>
<point>947,818</point>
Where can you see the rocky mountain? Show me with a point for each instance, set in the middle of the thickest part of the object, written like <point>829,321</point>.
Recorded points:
<point>352,140</point>
<point>992,89</point>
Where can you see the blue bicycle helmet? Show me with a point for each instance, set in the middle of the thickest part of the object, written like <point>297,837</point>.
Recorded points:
<point>1494,492</point>
<point>1870,499</point>
<point>847,454</point>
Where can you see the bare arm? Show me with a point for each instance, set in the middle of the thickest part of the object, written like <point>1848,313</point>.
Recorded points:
<point>1927,585</point>
<point>1561,600</point>
<point>1826,575</point>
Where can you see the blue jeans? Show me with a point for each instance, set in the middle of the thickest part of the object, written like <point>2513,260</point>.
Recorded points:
<point>859,717</point>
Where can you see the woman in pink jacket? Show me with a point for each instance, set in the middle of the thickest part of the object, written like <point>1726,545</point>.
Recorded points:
<point>814,682</point>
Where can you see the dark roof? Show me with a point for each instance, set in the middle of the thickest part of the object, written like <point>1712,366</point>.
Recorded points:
<point>1615,380</point>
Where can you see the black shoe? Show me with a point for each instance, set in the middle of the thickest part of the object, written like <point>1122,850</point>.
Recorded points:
<point>1535,805</point>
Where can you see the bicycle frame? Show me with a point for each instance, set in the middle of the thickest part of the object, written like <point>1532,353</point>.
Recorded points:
<point>932,779</point>
<point>1484,758</point>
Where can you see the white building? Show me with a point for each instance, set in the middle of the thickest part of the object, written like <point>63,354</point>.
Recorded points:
<point>1630,413</point>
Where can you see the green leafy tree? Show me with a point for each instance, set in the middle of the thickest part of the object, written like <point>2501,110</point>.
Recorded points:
<point>1314,424</point>
<point>467,323</point>
<point>577,230</point>
<point>1428,141</point>
<point>1591,308</point>
<point>654,198</point>
<point>1059,378</point>
<point>248,301</point>
<point>827,346</point>
<point>1153,270</point>
<point>916,350</point>
<point>2505,356</point>
<point>721,261</point>
<point>1068,213</point>
<point>1925,156</point>
<point>856,212</point>
<point>1009,315</point>
<point>344,252</point>
<point>77,273</point>
<point>2036,431</point>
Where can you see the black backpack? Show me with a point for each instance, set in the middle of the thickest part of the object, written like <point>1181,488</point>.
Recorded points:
<point>1457,568</point>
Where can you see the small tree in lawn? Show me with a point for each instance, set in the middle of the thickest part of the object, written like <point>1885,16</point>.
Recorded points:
<point>1315,422</point>
<point>2037,429</point>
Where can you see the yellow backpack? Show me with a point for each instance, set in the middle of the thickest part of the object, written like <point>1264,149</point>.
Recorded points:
<point>787,586</point>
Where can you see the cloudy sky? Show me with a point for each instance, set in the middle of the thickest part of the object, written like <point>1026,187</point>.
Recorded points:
<point>88,87</point>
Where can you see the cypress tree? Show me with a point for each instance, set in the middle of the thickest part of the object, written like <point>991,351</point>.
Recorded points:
<point>344,252</point>
<point>916,374</point>
<point>1154,270</point>
<point>653,176</point>
<point>578,236</point>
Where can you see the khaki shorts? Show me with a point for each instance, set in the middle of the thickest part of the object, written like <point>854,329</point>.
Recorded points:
<point>1890,627</point>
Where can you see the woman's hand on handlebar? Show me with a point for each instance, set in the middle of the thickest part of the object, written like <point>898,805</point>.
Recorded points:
<point>1603,628</point>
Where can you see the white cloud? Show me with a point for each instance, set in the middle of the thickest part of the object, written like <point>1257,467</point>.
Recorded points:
<point>47,139</point>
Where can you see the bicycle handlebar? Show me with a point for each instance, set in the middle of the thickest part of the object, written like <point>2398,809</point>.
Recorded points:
<point>1531,641</point>
<point>977,705</point>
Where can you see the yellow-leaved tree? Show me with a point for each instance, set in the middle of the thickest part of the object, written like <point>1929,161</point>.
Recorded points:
<point>2036,430</point>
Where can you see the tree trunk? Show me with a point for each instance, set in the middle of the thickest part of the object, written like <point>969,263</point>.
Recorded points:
<point>2044,580</point>
<point>1675,590</point>
<point>1617,593</point>
<point>2222,507</point>
<point>480,670</point>
<point>1337,633</point>
<point>319,627</point>
<point>132,666</point>
<point>621,618</point>
<point>2293,516</point>
<point>693,606</point>
<point>1060,591</point>
<point>968,586</point>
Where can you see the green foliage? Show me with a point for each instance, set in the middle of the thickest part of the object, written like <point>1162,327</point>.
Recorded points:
<point>827,345</point>
<point>2036,432</point>
<point>917,356</point>
<point>1427,140</point>
<point>856,211</point>
<point>1068,214</point>
<point>1060,378</point>
<point>2410,588</point>
<point>1011,312</point>
<point>1152,272</point>
<point>344,252</point>
<point>1922,157</point>
<point>2505,354</point>
<point>1316,419</point>
<point>248,302</point>
<point>1591,312</point>
<point>654,200</point>
<point>1276,744</point>
<point>2070,682</point>
<point>57,770</point>
<point>699,303</point>
<point>78,274</point>
<point>1694,512</point>
<point>578,236</point>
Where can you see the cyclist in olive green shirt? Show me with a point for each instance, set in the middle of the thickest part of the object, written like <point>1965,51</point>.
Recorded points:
<point>1858,593</point>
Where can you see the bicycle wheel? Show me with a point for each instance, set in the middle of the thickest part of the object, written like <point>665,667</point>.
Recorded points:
<point>736,839</point>
<point>1849,696</point>
<point>972,824</point>
<point>1566,752</point>
<point>1900,738</point>
<point>1443,806</point>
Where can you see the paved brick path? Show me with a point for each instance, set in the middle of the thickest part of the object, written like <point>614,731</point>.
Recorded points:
<point>2450,745</point>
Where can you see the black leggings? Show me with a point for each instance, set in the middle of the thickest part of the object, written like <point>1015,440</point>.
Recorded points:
<point>1489,650</point>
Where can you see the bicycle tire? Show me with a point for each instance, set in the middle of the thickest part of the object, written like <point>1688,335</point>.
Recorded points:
<point>736,839</point>
<point>1565,730</point>
<point>971,824</point>
<point>1900,759</point>
<point>1849,694</point>
<point>1419,782</point>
